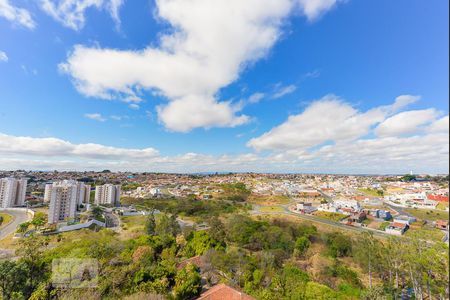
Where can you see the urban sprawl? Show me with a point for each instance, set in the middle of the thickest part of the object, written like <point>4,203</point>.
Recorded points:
<point>381,204</point>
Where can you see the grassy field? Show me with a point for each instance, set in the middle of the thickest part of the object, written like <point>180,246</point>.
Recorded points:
<point>370,192</point>
<point>269,209</point>
<point>425,233</point>
<point>133,223</point>
<point>330,216</point>
<point>428,214</point>
<point>8,242</point>
<point>268,200</point>
<point>6,219</point>
<point>442,205</point>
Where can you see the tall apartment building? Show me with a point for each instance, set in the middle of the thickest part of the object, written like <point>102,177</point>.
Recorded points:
<point>63,200</point>
<point>83,191</point>
<point>107,194</point>
<point>12,192</point>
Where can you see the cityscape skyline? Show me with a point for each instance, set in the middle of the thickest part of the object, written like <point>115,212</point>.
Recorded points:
<point>289,87</point>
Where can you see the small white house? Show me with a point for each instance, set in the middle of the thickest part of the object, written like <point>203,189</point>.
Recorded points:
<point>341,203</point>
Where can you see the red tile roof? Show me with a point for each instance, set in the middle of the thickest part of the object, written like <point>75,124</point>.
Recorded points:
<point>224,292</point>
<point>196,260</point>
<point>439,198</point>
<point>398,225</point>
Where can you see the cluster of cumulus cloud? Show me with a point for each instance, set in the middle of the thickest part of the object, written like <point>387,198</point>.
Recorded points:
<point>330,135</point>
<point>205,47</point>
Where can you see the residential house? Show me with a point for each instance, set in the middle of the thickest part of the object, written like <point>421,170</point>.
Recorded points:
<point>357,217</point>
<point>305,208</point>
<point>224,292</point>
<point>404,219</point>
<point>396,228</point>
<point>442,224</point>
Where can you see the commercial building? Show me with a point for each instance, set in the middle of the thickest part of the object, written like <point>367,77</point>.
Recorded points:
<point>12,192</point>
<point>108,194</point>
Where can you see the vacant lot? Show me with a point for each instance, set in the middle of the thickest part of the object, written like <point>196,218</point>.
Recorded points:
<point>268,199</point>
<point>442,205</point>
<point>266,209</point>
<point>6,218</point>
<point>330,216</point>
<point>425,233</point>
<point>428,214</point>
<point>370,192</point>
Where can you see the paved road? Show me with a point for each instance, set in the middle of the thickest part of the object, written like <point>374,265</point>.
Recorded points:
<point>18,218</point>
<point>323,221</point>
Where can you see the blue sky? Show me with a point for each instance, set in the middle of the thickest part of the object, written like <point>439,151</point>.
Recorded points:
<point>289,57</point>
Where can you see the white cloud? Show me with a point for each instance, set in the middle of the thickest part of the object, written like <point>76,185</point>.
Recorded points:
<point>3,57</point>
<point>16,15</point>
<point>281,91</point>
<point>95,117</point>
<point>191,112</point>
<point>256,98</point>
<point>408,122</point>
<point>403,101</point>
<point>439,126</point>
<point>71,13</point>
<point>191,63</point>
<point>326,120</point>
<point>313,9</point>
<point>332,136</point>
<point>118,118</point>
<point>12,145</point>
<point>426,153</point>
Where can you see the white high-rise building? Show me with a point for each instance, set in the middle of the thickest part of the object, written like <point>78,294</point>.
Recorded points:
<point>83,191</point>
<point>64,197</point>
<point>107,194</point>
<point>12,192</point>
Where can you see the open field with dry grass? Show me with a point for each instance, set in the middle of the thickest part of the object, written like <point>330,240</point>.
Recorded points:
<point>7,218</point>
<point>268,199</point>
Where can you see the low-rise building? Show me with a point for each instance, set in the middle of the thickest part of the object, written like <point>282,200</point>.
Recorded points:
<point>396,228</point>
<point>404,219</point>
<point>358,217</point>
<point>442,224</point>
<point>305,208</point>
<point>344,203</point>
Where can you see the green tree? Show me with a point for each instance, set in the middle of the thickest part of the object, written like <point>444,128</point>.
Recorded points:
<point>97,213</point>
<point>23,227</point>
<point>187,283</point>
<point>317,291</point>
<point>290,283</point>
<point>150,224</point>
<point>198,243</point>
<point>217,230</point>
<point>339,245</point>
<point>39,220</point>
<point>31,251</point>
<point>302,245</point>
<point>12,279</point>
<point>167,225</point>
<point>367,253</point>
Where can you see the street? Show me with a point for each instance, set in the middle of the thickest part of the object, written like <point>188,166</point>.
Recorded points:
<point>18,218</point>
